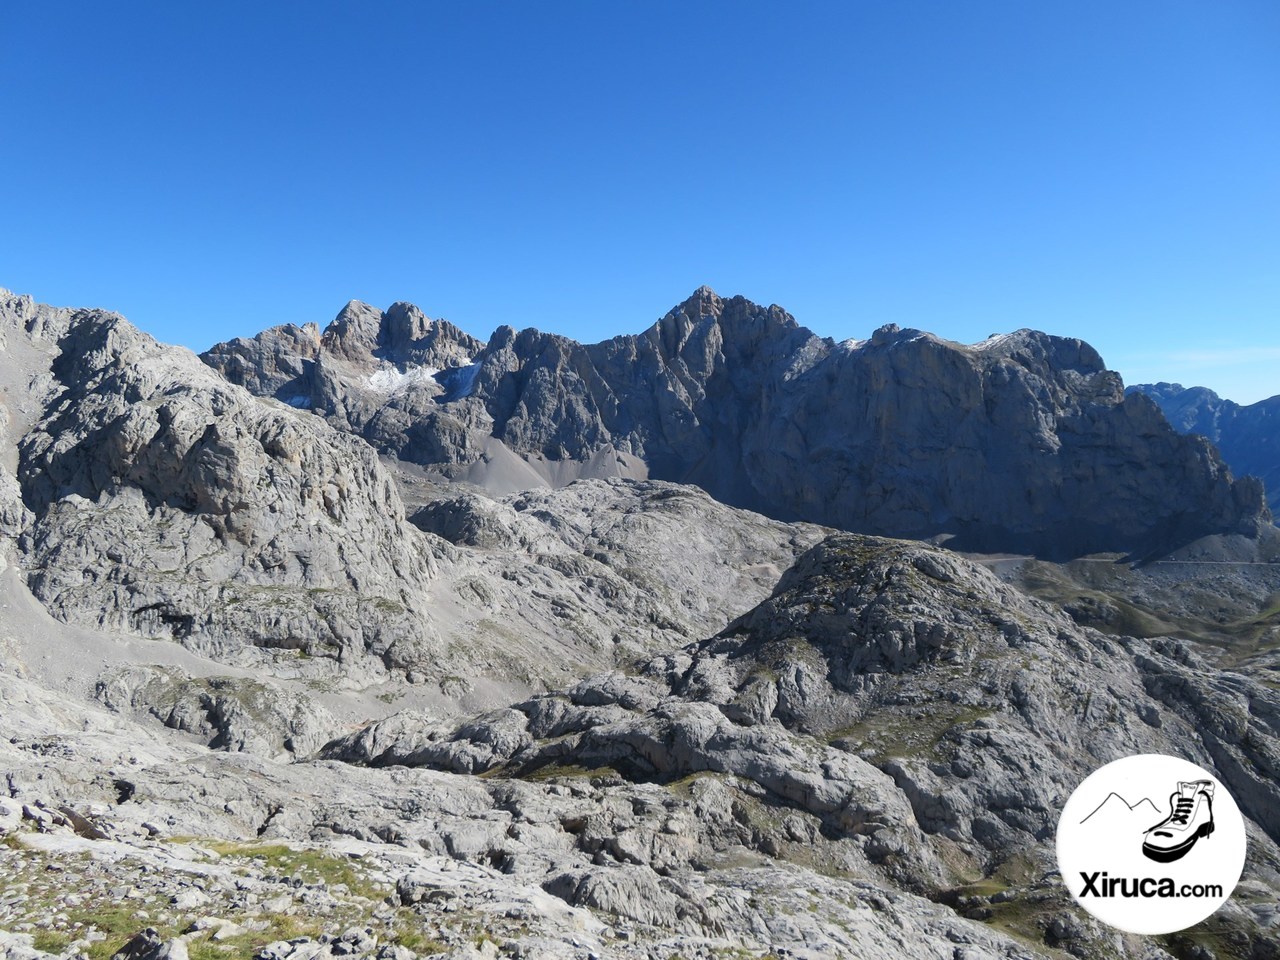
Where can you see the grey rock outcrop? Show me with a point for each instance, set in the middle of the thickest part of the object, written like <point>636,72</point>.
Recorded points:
<point>1248,436</point>
<point>148,945</point>
<point>229,713</point>
<point>151,496</point>
<point>20,946</point>
<point>1022,442</point>
<point>163,500</point>
<point>13,512</point>
<point>601,572</point>
<point>548,869</point>
<point>895,708</point>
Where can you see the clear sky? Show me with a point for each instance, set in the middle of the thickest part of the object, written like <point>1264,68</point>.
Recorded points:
<point>1108,170</point>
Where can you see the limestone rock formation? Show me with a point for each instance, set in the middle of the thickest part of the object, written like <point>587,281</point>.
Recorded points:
<point>374,373</point>
<point>1248,436</point>
<point>151,496</point>
<point>279,362</point>
<point>1022,442</point>
<point>902,715</point>
<point>372,863</point>
<point>271,686</point>
<point>240,714</point>
<point>600,572</point>
<point>166,501</point>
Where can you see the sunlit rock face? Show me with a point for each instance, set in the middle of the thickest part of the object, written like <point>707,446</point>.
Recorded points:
<point>1024,442</point>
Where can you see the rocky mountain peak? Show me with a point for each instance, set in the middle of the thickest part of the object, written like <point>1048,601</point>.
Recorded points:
<point>1165,390</point>
<point>703,302</point>
<point>1024,441</point>
<point>503,336</point>
<point>401,334</point>
<point>891,333</point>
<point>347,372</point>
<point>405,322</point>
<point>735,337</point>
<point>135,451</point>
<point>354,332</point>
<point>1248,436</point>
<point>1044,353</point>
<point>673,329</point>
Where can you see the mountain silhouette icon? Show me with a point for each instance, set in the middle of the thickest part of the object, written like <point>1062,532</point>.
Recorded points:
<point>1117,807</point>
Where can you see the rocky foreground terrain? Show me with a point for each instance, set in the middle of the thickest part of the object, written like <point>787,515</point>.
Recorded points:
<point>276,684</point>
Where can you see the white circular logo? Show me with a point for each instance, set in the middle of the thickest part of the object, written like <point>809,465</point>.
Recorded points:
<point>1151,844</point>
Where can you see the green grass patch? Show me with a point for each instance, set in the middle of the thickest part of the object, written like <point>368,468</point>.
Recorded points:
<point>416,940</point>
<point>903,736</point>
<point>553,771</point>
<point>50,941</point>
<point>310,865</point>
<point>684,786</point>
<point>118,921</point>
<point>987,887</point>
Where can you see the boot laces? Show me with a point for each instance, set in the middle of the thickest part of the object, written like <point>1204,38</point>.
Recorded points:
<point>1182,810</point>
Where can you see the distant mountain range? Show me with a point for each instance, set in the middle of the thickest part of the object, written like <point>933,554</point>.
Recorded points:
<point>1024,442</point>
<point>1247,436</point>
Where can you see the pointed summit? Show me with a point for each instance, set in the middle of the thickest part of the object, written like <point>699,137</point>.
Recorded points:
<point>353,333</point>
<point>703,302</point>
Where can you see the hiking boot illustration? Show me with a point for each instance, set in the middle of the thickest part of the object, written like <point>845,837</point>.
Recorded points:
<point>1190,818</point>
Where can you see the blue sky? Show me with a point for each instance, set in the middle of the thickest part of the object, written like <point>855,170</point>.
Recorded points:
<point>1095,169</point>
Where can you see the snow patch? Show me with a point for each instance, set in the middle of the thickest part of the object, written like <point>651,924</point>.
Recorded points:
<point>994,341</point>
<point>390,380</point>
<point>300,401</point>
